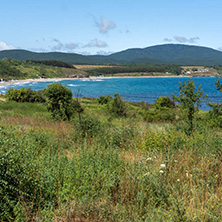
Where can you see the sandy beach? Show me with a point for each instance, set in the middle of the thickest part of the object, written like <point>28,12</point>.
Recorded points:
<point>92,77</point>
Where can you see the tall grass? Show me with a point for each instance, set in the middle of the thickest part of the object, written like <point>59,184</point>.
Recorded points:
<point>119,170</point>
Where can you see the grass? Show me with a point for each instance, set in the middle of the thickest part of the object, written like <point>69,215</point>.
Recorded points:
<point>122,169</point>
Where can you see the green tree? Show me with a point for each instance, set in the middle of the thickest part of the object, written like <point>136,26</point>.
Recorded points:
<point>59,100</point>
<point>218,84</point>
<point>190,101</point>
<point>215,114</point>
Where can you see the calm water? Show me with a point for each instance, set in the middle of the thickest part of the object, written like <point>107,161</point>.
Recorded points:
<point>131,89</point>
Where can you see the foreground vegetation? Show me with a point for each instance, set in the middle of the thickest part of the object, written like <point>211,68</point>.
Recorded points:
<point>112,161</point>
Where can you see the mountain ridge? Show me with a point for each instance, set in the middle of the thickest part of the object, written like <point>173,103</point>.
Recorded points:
<point>179,54</point>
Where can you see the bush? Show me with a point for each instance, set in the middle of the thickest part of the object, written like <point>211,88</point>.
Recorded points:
<point>215,115</point>
<point>25,95</point>
<point>164,102</point>
<point>104,99</point>
<point>160,115</point>
<point>59,101</point>
<point>88,126</point>
<point>118,106</point>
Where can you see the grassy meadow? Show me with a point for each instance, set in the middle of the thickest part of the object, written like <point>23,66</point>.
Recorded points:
<point>139,166</point>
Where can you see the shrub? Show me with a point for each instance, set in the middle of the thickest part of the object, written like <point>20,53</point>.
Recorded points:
<point>104,99</point>
<point>88,126</point>
<point>160,115</point>
<point>25,95</point>
<point>164,102</point>
<point>118,106</point>
<point>215,115</point>
<point>59,101</point>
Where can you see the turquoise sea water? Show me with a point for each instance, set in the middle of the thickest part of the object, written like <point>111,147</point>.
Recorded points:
<point>131,89</point>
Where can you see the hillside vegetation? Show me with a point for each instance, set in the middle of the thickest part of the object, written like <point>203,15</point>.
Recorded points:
<point>87,159</point>
<point>15,69</point>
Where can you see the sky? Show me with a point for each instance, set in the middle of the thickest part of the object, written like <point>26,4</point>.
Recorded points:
<point>91,27</point>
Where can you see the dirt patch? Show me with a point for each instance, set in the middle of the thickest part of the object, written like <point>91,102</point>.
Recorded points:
<point>2,99</point>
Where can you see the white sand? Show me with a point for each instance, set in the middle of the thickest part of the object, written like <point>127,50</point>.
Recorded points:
<point>92,77</point>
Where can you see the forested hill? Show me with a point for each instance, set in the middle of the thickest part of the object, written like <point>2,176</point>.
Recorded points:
<point>171,53</point>
<point>59,56</point>
<point>160,54</point>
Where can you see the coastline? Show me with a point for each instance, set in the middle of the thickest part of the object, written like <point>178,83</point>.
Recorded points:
<point>92,77</point>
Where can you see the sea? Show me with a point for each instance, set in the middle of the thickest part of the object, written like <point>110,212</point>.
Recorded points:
<point>131,89</point>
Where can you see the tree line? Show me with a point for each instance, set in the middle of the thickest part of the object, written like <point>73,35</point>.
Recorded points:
<point>174,69</point>
<point>55,63</point>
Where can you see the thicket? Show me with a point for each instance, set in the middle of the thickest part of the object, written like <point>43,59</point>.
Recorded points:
<point>25,95</point>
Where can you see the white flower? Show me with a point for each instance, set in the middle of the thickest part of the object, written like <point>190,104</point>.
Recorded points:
<point>175,161</point>
<point>161,171</point>
<point>162,165</point>
<point>148,159</point>
<point>178,180</point>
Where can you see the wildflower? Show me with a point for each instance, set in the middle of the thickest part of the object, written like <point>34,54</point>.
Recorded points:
<point>162,165</point>
<point>178,180</point>
<point>176,161</point>
<point>161,171</point>
<point>148,159</point>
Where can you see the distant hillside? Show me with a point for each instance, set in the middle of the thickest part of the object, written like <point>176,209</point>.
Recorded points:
<point>159,54</point>
<point>171,54</point>
<point>59,56</point>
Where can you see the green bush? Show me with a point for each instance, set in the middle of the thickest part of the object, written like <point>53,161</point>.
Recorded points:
<point>118,106</point>
<point>214,115</point>
<point>104,99</point>
<point>162,115</point>
<point>164,102</point>
<point>25,95</point>
<point>59,99</point>
<point>88,126</point>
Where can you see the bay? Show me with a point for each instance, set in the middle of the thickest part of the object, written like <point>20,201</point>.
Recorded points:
<point>131,89</point>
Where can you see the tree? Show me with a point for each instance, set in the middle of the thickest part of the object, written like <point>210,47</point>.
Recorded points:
<point>218,84</point>
<point>215,114</point>
<point>59,101</point>
<point>189,101</point>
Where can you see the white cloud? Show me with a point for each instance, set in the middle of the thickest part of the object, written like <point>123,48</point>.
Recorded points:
<point>4,46</point>
<point>105,25</point>
<point>103,53</point>
<point>96,43</point>
<point>168,40</point>
<point>71,45</point>
<point>59,46</point>
<point>182,39</point>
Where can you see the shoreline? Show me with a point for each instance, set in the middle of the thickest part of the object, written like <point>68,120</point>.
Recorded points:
<point>10,82</point>
<point>92,77</point>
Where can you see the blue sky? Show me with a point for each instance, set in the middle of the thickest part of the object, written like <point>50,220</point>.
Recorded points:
<point>103,27</point>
